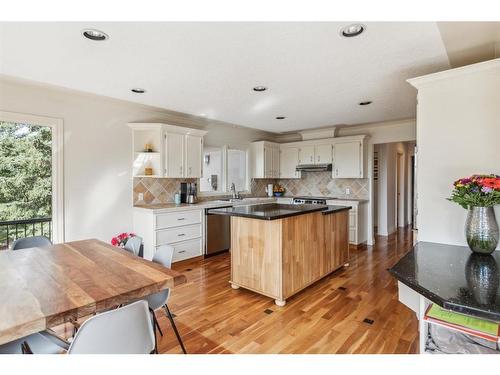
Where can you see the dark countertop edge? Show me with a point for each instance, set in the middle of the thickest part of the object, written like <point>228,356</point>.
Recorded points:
<point>448,305</point>
<point>327,210</point>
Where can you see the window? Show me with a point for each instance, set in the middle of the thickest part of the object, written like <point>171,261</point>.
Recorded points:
<point>223,166</point>
<point>212,170</point>
<point>237,169</point>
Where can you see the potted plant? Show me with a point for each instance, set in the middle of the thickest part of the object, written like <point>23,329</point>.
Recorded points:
<point>479,194</point>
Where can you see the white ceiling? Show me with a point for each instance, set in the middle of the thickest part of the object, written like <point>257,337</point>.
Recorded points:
<point>315,77</point>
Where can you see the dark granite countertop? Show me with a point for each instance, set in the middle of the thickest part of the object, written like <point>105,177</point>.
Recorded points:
<point>273,211</point>
<point>453,277</point>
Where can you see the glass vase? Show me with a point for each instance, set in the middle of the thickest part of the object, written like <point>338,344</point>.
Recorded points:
<point>481,230</point>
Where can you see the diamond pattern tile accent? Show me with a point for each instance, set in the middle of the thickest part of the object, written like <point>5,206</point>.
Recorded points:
<point>162,190</point>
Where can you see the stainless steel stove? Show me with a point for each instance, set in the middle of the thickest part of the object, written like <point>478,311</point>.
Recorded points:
<point>309,200</point>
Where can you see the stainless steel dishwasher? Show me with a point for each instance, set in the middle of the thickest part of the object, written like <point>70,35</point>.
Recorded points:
<point>217,232</point>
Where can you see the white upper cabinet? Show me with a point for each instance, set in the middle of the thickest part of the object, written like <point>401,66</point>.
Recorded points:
<point>194,155</point>
<point>174,151</point>
<point>323,154</point>
<point>265,160</point>
<point>289,159</point>
<point>174,155</point>
<point>306,154</point>
<point>315,154</point>
<point>348,159</point>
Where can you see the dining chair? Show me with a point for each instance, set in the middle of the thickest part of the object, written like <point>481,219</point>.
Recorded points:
<point>156,301</point>
<point>27,242</point>
<point>133,245</point>
<point>126,330</point>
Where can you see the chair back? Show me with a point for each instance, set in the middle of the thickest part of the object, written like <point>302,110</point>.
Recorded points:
<point>163,256</point>
<point>27,242</point>
<point>126,330</point>
<point>133,245</point>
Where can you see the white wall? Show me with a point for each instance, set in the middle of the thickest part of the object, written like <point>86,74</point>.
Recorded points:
<point>97,150</point>
<point>458,134</point>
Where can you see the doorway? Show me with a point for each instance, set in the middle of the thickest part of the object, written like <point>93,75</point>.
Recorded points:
<point>31,169</point>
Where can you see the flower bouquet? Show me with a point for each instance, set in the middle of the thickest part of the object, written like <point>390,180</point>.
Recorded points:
<point>121,239</point>
<point>478,194</point>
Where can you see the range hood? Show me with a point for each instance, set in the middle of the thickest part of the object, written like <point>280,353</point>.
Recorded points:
<point>313,168</point>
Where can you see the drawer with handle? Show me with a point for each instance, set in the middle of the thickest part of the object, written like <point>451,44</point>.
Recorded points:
<point>176,219</point>
<point>172,235</point>
<point>185,250</point>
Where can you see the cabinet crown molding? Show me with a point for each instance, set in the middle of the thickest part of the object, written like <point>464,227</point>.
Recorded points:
<point>484,66</point>
<point>167,128</point>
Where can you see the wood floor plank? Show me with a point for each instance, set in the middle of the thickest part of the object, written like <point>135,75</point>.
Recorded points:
<point>327,317</point>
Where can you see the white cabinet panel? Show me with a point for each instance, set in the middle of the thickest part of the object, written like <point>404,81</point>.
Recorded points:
<point>275,172</point>
<point>176,219</point>
<point>194,154</point>
<point>187,249</point>
<point>265,160</point>
<point>169,236</point>
<point>174,155</point>
<point>268,162</point>
<point>347,159</point>
<point>306,155</point>
<point>289,159</point>
<point>323,154</point>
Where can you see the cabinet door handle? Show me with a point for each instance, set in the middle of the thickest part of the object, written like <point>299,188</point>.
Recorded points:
<point>180,235</point>
<point>190,171</point>
<point>182,251</point>
<point>181,218</point>
<point>180,170</point>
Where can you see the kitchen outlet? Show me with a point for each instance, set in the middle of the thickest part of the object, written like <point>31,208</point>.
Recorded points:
<point>347,191</point>
<point>141,196</point>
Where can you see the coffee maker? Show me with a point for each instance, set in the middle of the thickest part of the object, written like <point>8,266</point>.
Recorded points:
<point>188,192</point>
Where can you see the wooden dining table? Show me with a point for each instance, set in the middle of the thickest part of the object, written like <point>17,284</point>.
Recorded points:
<point>43,287</point>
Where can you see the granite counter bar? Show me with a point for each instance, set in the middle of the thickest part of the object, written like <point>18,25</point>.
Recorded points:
<point>453,277</point>
<point>274,211</point>
<point>279,249</point>
<point>450,276</point>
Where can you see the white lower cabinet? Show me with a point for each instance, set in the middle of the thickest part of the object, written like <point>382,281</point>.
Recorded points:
<point>358,230</point>
<point>181,229</point>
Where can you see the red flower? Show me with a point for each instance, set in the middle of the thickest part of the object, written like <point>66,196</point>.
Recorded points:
<point>114,241</point>
<point>491,182</point>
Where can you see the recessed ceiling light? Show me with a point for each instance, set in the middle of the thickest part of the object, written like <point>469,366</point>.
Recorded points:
<point>260,88</point>
<point>138,90</point>
<point>280,117</point>
<point>95,35</point>
<point>352,30</point>
<point>365,103</point>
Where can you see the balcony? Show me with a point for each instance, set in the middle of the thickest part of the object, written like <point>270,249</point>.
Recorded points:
<point>12,230</point>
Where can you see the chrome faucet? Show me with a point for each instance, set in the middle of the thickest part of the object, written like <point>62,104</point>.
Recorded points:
<point>235,194</point>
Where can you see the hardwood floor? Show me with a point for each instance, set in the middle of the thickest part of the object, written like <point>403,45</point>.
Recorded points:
<point>354,310</point>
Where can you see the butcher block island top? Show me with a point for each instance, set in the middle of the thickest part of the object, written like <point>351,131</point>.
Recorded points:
<point>279,249</point>
<point>45,287</point>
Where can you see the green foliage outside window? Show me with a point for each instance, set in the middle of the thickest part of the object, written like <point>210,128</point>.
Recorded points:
<point>25,171</point>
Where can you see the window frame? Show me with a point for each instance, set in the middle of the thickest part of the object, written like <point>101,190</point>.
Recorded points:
<point>57,126</point>
<point>224,173</point>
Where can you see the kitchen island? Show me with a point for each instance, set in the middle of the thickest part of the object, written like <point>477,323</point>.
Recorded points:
<point>279,249</point>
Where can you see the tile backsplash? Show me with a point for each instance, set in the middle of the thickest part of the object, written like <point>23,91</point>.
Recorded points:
<point>322,184</point>
<point>162,190</point>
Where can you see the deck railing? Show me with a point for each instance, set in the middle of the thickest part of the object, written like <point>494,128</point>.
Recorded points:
<point>14,229</point>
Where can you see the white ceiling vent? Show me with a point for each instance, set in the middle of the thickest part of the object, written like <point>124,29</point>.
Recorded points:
<point>318,133</point>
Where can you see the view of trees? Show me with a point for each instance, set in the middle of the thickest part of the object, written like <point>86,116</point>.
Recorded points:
<point>25,171</point>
